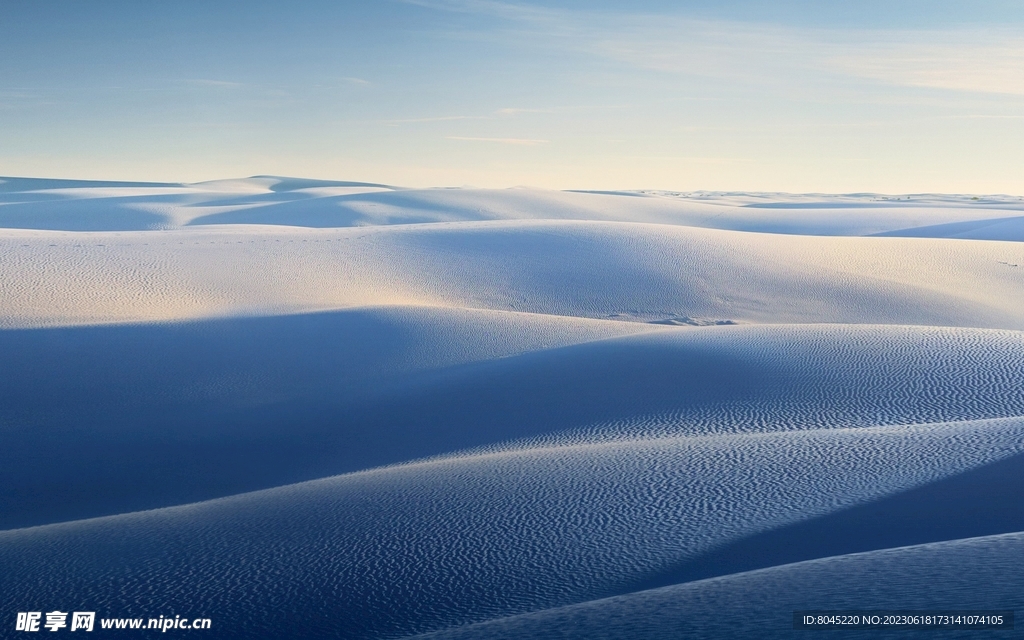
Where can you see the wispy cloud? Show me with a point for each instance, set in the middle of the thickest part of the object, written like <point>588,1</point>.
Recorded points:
<point>979,60</point>
<point>503,113</point>
<point>205,82</point>
<point>23,99</point>
<point>982,116</point>
<point>690,159</point>
<point>352,80</point>
<point>526,142</point>
<point>506,112</point>
<point>433,119</point>
<point>495,8</point>
<point>514,111</point>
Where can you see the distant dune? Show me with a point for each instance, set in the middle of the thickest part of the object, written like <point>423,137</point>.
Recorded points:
<point>346,410</point>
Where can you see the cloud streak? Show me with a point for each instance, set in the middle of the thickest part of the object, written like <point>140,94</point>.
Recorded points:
<point>204,82</point>
<point>524,142</point>
<point>976,61</point>
<point>433,119</point>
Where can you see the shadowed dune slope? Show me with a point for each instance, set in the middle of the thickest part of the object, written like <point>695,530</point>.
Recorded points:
<point>99,420</point>
<point>1003,228</point>
<point>971,574</point>
<point>155,415</point>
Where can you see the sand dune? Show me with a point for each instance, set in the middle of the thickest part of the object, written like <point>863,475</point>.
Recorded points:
<point>977,573</point>
<point>458,540</point>
<point>28,203</point>
<point>340,409</point>
<point>238,405</point>
<point>584,269</point>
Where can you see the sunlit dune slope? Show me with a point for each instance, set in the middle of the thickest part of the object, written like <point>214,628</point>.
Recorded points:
<point>586,269</point>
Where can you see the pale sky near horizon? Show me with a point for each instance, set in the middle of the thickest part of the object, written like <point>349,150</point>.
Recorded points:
<point>897,96</point>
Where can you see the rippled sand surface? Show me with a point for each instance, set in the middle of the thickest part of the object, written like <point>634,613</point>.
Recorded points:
<point>315,409</point>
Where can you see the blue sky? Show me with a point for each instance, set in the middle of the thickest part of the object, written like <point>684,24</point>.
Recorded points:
<point>896,96</point>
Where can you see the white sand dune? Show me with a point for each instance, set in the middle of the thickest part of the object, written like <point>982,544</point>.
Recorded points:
<point>436,544</point>
<point>336,409</point>
<point>584,269</point>
<point>109,206</point>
